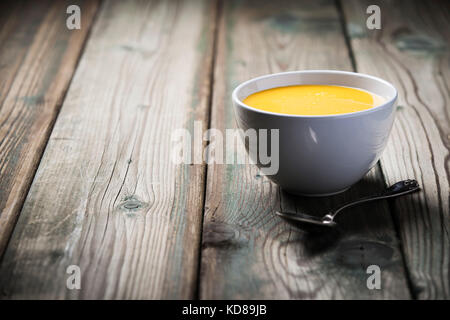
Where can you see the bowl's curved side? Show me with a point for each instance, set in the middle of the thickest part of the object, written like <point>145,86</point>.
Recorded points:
<point>322,155</point>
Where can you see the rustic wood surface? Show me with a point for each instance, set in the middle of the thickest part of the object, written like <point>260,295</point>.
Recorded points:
<point>248,252</point>
<point>38,56</point>
<point>107,197</point>
<point>412,51</point>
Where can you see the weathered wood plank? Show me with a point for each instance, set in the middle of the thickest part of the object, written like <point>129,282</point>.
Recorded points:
<point>248,252</point>
<point>412,51</point>
<point>106,196</point>
<point>38,55</point>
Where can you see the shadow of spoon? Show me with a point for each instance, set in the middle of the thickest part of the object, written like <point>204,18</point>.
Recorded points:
<point>312,223</point>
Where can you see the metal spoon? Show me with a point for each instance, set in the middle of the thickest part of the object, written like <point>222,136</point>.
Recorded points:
<point>304,220</point>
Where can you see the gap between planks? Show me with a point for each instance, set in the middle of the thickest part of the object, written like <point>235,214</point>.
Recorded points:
<point>218,16</point>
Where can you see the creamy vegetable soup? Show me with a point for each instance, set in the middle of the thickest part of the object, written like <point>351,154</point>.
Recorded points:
<point>313,100</point>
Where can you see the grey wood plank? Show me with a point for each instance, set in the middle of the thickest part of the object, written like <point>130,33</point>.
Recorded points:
<point>106,196</point>
<point>247,252</point>
<point>412,51</point>
<point>38,56</point>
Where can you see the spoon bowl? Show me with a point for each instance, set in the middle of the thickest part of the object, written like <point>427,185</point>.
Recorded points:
<point>297,218</point>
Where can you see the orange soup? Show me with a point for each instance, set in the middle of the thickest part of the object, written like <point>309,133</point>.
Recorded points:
<point>313,100</point>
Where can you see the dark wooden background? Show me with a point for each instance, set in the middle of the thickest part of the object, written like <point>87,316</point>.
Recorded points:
<point>85,172</point>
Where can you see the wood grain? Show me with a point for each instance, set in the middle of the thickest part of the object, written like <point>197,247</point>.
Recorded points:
<point>248,252</point>
<point>412,51</point>
<point>106,196</point>
<point>38,55</point>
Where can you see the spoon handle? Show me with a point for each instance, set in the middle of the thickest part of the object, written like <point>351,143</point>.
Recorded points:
<point>398,189</point>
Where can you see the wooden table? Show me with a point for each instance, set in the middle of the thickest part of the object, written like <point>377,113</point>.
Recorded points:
<point>86,179</point>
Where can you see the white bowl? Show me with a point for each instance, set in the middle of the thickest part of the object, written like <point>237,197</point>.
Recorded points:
<point>326,154</point>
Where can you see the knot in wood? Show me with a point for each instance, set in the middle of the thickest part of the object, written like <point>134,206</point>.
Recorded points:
<point>131,204</point>
<point>217,234</point>
<point>405,40</point>
<point>362,253</point>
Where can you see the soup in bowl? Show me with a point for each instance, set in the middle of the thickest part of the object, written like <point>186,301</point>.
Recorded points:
<point>332,126</point>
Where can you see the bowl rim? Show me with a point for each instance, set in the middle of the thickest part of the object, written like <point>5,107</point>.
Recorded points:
<point>237,101</point>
